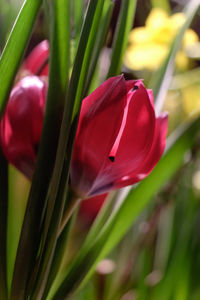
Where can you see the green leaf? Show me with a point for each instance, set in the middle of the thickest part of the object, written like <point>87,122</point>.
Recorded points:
<point>161,79</point>
<point>17,201</point>
<point>124,25</point>
<point>100,39</point>
<point>83,59</point>
<point>59,178</point>
<point>61,248</point>
<point>58,78</point>
<point>65,145</point>
<point>78,11</point>
<point>15,47</point>
<point>137,199</point>
<point>3,225</point>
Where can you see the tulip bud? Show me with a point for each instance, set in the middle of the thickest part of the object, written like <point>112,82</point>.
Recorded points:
<point>119,139</point>
<point>21,125</point>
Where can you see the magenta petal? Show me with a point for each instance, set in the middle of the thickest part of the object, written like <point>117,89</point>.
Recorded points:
<point>135,142</point>
<point>100,121</point>
<point>153,157</point>
<point>36,62</point>
<point>90,207</point>
<point>21,125</point>
<point>138,133</point>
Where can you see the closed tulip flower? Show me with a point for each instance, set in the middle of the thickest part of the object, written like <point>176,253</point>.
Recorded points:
<point>119,139</point>
<point>21,125</point>
<point>118,142</point>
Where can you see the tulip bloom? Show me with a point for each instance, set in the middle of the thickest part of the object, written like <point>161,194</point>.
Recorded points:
<point>21,125</point>
<point>37,61</point>
<point>119,139</point>
<point>118,142</point>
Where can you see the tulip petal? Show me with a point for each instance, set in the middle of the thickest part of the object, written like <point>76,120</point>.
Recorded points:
<point>90,207</point>
<point>21,125</point>
<point>100,120</point>
<point>37,61</point>
<point>153,157</point>
<point>138,132</point>
<point>134,144</point>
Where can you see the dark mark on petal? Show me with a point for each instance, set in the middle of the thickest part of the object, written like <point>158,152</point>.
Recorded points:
<point>135,88</point>
<point>112,158</point>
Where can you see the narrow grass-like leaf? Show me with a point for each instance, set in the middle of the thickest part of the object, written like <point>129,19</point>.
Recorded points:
<point>60,251</point>
<point>87,56</point>
<point>59,178</point>
<point>30,235</point>
<point>125,22</point>
<point>67,117</point>
<point>17,200</point>
<point>101,36</point>
<point>3,225</point>
<point>161,79</point>
<point>78,10</point>
<point>15,47</point>
<point>130,209</point>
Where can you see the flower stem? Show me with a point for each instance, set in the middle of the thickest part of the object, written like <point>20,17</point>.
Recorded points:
<point>73,203</point>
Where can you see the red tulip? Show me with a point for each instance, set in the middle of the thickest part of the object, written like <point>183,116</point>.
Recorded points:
<point>119,139</point>
<point>21,125</point>
<point>118,142</point>
<point>37,61</point>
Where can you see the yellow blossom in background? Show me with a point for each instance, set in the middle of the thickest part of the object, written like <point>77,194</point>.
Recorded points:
<point>173,105</point>
<point>183,100</point>
<point>191,100</point>
<point>149,45</point>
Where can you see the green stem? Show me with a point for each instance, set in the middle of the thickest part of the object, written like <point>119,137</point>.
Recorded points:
<point>60,251</point>
<point>73,204</point>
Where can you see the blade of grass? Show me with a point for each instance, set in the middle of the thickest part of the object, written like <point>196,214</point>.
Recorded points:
<point>59,178</point>
<point>82,267</point>
<point>124,24</point>
<point>60,251</point>
<point>161,79</point>
<point>31,230</point>
<point>3,225</point>
<point>79,92</point>
<point>93,7</point>
<point>101,36</point>
<point>67,117</point>
<point>60,44</point>
<point>19,187</point>
<point>15,47</point>
<point>78,10</point>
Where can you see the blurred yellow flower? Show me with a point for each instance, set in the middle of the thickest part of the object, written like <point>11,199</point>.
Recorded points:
<point>183,99</point>
<point>149,45</point>
<point>191,100</point>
